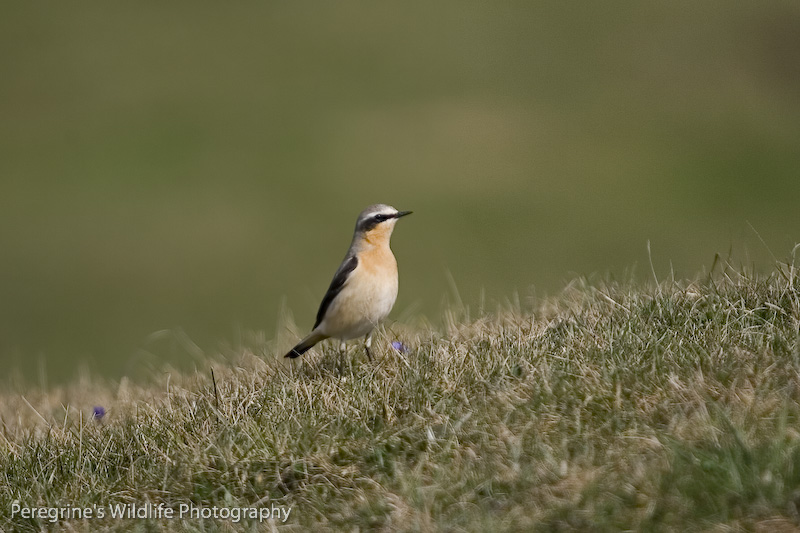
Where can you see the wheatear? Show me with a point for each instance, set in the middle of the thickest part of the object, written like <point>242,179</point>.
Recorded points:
<point>364,288</point>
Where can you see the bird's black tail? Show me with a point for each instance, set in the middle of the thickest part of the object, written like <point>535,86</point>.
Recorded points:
<point>305,345</point>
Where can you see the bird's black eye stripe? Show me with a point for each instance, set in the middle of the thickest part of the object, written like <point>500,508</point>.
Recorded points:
<point>372,221</point>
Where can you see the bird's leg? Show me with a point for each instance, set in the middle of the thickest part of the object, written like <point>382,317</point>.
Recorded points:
<point>342,356</point>
<point>367,344</point>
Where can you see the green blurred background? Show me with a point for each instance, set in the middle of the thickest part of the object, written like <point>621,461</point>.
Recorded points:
<point>197,168</point>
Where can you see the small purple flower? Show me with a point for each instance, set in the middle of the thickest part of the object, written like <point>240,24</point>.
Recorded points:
<point>98,412</point>
<point>399,346</point>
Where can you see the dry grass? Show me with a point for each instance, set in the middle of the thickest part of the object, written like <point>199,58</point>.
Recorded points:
<point>613,406</point>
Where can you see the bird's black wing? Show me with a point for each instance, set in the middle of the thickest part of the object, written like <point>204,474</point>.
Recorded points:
<point>337,284</point>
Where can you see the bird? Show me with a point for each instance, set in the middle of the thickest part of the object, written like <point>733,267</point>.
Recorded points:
<point>364,288</point>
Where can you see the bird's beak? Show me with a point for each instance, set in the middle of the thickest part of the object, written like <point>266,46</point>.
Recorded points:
<point>402,214</point>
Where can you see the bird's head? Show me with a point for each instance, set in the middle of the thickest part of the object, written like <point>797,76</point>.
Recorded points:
<point>375,223</point>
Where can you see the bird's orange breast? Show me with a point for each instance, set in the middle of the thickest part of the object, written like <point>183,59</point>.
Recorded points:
<point>378,260</point>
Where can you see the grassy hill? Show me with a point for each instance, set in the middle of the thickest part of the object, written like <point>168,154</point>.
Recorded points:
<point>613,406</point>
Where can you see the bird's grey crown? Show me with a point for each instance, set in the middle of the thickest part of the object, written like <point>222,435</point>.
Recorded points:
<point>376,209</point>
